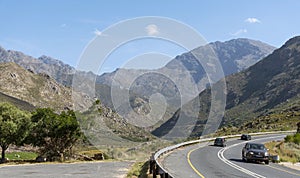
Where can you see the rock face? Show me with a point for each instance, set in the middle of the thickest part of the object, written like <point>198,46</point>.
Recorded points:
<point>61,72</point>
<point>268,84</point>
<point>234,56</point>
<point>40,90</point>
<point>171,86</point>
<point>183,78</point>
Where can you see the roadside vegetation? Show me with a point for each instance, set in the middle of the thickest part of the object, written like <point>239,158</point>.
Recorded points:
<point>288,150</point>
<point>53,134</point>
<point>139,170</point>
<point>273,121</point>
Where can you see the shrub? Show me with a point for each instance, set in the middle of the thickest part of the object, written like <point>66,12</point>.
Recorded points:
<point>293,138</point>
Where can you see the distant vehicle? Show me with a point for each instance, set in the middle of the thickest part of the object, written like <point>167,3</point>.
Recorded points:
<point>255,152</point>
<point>246,137</point>
<point>220,142</point>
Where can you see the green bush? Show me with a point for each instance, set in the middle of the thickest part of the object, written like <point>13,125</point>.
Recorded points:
<point>297,138</point>
<point>289,138</point>
<point>293,138</point>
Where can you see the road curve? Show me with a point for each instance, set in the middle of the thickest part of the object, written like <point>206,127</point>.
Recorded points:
<point>204,160</point>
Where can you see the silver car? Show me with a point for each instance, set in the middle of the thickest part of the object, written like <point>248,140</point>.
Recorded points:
<point>255,152</point>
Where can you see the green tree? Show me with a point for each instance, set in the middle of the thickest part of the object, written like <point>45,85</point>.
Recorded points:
<point>55,134</point>
<point>15,126</point>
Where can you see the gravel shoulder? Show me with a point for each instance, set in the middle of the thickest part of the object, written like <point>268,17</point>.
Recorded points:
<point>291,165</point>
<point>103,169</point>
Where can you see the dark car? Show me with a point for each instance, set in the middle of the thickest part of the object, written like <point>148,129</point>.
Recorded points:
<point>246,137</point>
<point>220,142</point>
<point>255,152</point>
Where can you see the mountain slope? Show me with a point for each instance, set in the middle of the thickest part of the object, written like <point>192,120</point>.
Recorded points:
<point>271,82</point>
<point>40,90</point>
<point>19,103</point>
<point>234,55</point>
<point>182,79</point>
<point>61,72</point>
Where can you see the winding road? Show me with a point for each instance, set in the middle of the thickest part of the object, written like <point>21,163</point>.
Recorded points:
<point>204,160</point>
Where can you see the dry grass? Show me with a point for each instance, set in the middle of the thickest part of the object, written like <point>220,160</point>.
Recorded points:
<point>288,152</point>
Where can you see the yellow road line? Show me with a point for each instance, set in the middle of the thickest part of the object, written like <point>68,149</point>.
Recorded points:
<point>190,163</point>
<point>284,170</point>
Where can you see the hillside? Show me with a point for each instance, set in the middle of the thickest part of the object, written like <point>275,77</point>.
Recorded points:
<point>61,72</point>
<point>19,103</point>
<point>284,116</point>
<point>270,83</point>
<point>102,126</point>
<point>39,90</point>
<point>180,80</point>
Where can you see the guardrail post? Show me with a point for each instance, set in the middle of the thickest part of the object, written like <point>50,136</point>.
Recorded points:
<point>161,173</point>
<point>154,170</point>
<point>151,164</point>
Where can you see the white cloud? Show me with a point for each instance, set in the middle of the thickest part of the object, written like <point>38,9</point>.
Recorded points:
<point>152,29</point>
<point>239,32</point>
<point>252,20</point>
<point>63,25</point>
<point>97,32</point>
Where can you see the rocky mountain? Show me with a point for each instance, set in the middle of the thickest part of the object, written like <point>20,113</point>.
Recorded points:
<point>270,83</point>
<point>102,126</point>
<point>28,91</point>
<point>182,78</point>
<point>234,55</point>
<point>133,93</point>
<point>39,90</point>
<point>58,70</point>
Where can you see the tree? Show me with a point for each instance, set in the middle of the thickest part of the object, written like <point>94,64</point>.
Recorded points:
<point>55,134</point>
<point>15,126</point>
<point>298,129</point>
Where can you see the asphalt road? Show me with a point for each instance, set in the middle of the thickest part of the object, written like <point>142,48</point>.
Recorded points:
<point>76,170</point>
<point>205,160</point>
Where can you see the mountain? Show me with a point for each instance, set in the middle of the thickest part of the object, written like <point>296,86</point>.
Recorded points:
<point>102,126</point>
<point>270,83</point>
<point>234,55</point>
<point>61,72</point>
<point>182,79</point>
<point>28,90</point>
<point>134,91</point>
<point>39,90</point>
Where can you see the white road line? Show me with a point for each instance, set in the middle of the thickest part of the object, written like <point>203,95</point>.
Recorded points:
<point>246,171</point>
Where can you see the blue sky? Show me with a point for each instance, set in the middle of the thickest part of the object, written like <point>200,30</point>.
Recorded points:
<point>63,28</point>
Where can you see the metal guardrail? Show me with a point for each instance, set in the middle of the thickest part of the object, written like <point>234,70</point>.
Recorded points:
<point>157,169</point>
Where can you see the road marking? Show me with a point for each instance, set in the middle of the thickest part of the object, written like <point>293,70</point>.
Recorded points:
<point>246,171</point>
<point>284,170</point>
<point>190,163</point>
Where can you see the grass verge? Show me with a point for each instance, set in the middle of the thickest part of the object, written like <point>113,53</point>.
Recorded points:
<point>287,151</point>
<point>139,170</point>
<point>16,156</point>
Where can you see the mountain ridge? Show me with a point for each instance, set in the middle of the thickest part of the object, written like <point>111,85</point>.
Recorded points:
<point>252,92</point>
<point>40,90</point>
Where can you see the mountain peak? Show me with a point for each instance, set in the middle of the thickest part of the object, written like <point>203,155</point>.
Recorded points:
<point>268,84</point>
<point>293,41</point>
